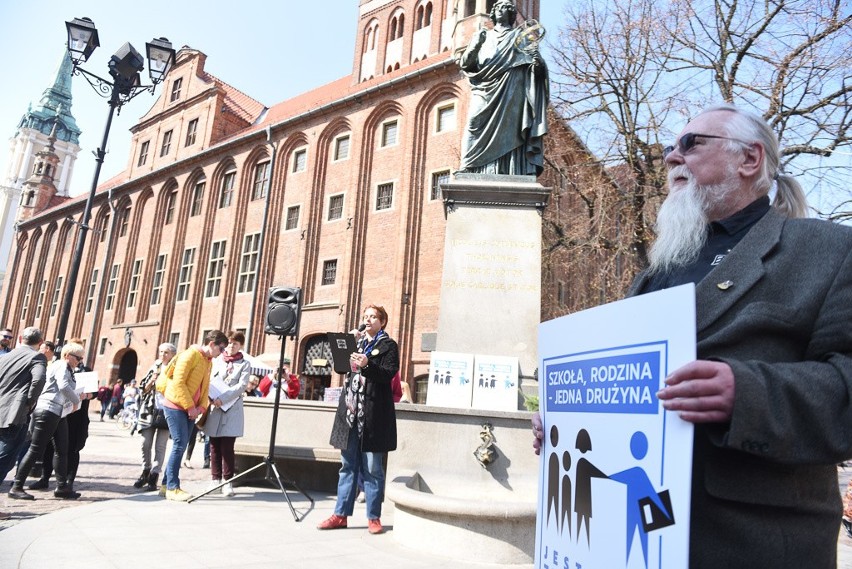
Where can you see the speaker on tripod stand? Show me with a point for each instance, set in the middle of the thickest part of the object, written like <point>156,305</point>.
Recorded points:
<point>283,310</point>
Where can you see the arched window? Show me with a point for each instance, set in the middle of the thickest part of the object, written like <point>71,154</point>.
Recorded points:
<point>427,15</point>
<point>397,26</point>
<point>370,33</point>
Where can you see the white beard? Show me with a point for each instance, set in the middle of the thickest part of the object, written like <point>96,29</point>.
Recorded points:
<point>682,223</point>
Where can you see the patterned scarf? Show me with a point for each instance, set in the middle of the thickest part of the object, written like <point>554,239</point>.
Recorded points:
<point>356,388</point>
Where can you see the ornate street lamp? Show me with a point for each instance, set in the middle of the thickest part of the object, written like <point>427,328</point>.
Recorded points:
<point>124,68</point>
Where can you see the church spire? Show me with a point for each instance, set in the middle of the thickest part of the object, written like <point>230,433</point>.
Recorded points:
<point>55,103</point>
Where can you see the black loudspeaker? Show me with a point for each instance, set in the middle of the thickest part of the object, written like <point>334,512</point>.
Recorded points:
<point>283,304</point>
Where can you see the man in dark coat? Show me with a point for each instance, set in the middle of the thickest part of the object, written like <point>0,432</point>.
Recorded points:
<point>22,376</point>
<point>771,392</point>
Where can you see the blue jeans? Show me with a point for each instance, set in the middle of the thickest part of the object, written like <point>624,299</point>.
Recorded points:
<point>369,466</point>
<point>180,425</point>
<point>11,440</point>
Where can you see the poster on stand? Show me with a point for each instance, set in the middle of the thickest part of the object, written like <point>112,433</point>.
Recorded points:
<point>495,383</point>
<point>450,380</point>
<point>609,446</point>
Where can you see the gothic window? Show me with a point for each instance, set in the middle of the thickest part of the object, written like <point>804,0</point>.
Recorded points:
<point>176,88</point>
<point>292,217</point>
<point>384,196</point>
<point>191,132</point>
<point>197,198</point>
<point>335,207</point>
<point>261,177</point>
<point>143,153</point>
<point>226,193</point>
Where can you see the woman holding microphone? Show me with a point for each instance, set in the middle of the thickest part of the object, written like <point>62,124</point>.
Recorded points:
<point>365,424</point>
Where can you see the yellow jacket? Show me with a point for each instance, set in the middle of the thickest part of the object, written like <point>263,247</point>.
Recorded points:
<point>191,373</point>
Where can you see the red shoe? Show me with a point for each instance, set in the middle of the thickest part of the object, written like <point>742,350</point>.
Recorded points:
<point>375,526</point>
<point>334,522</point>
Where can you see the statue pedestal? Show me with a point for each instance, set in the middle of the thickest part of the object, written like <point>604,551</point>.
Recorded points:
<point>491,285</point>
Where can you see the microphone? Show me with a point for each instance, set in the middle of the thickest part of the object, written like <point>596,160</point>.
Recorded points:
<point>362,327</point>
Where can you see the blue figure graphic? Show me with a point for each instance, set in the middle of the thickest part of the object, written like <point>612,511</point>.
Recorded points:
<point>639,488</point>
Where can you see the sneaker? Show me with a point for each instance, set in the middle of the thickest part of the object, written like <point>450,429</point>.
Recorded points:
<point>40,484</point>
<point>375,526</point>
<point>361,498</point>
<point>19,494</point>
<point>214,483</point>
<point>334,522</point>
<point>228,490</point>
<point>162,491</point>
<point>177,495</point>
<point>206,464</point>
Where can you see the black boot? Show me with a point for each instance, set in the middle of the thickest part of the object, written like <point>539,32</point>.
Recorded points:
<point>143,479</point>
<point>40,484</point>
<point>66,491</point>
<point>18,493</point>
<point>152,481</point>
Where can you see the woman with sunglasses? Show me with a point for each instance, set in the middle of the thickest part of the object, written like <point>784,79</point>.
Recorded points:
<point>57,399</point>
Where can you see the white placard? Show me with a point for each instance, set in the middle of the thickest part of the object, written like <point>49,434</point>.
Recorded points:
<point>495,383</point>
<point>87,381</point>
<point>216,389</point>
<point>450,382</point>
<point>610,448</point>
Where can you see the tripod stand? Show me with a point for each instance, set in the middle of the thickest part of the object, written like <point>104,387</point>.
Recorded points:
<point>272,474</point>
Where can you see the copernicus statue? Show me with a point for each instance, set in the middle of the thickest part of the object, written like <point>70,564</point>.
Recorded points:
<point>509,96</point>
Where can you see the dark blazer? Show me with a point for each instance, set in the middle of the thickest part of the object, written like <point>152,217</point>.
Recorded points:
<point>22,375</point>
<point>379,411</point>
<point>764,486</point>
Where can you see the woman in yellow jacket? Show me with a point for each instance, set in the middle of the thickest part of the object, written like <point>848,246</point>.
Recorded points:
<point>184,388</point>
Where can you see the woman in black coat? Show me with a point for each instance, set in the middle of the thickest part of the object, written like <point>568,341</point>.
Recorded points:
<point>365,424</point>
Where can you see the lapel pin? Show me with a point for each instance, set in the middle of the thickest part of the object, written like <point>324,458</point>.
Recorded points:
<point>725,285</point>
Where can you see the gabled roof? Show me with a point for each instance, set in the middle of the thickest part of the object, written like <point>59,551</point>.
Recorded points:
<point>237,102</point>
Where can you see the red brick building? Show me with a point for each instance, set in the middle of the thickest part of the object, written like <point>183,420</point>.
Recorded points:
<point>334,191</point>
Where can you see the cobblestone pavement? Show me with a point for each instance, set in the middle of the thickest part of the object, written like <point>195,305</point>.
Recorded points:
<point>109,465</point>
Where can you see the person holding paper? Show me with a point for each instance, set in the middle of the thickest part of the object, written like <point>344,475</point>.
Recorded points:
<point>58,398</point>
<point>228,382</point>
<point>771,392</point>
<point>365,423</point>
<point>78,421</point>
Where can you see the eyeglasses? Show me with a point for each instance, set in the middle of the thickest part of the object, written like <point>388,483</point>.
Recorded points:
<point>5,337</point>
<point>687,142</point>
<point>76,357</point>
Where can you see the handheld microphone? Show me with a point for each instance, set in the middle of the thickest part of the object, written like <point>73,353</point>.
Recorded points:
<point>362,327</point>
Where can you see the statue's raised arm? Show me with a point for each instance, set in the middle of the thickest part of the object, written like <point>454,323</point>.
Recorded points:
<point>509,95</point>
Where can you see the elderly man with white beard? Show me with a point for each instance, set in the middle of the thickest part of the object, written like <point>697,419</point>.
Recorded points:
<point>770,394</point>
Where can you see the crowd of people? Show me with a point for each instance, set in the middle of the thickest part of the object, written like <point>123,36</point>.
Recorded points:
<point>198,391</point>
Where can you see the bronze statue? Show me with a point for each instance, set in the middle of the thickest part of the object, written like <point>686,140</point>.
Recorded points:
<point>509,97</point>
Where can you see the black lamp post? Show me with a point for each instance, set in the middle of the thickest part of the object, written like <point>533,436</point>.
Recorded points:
<point>124,68</point>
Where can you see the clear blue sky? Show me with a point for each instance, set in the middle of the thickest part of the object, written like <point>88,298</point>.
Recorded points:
<point>270,50</point>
